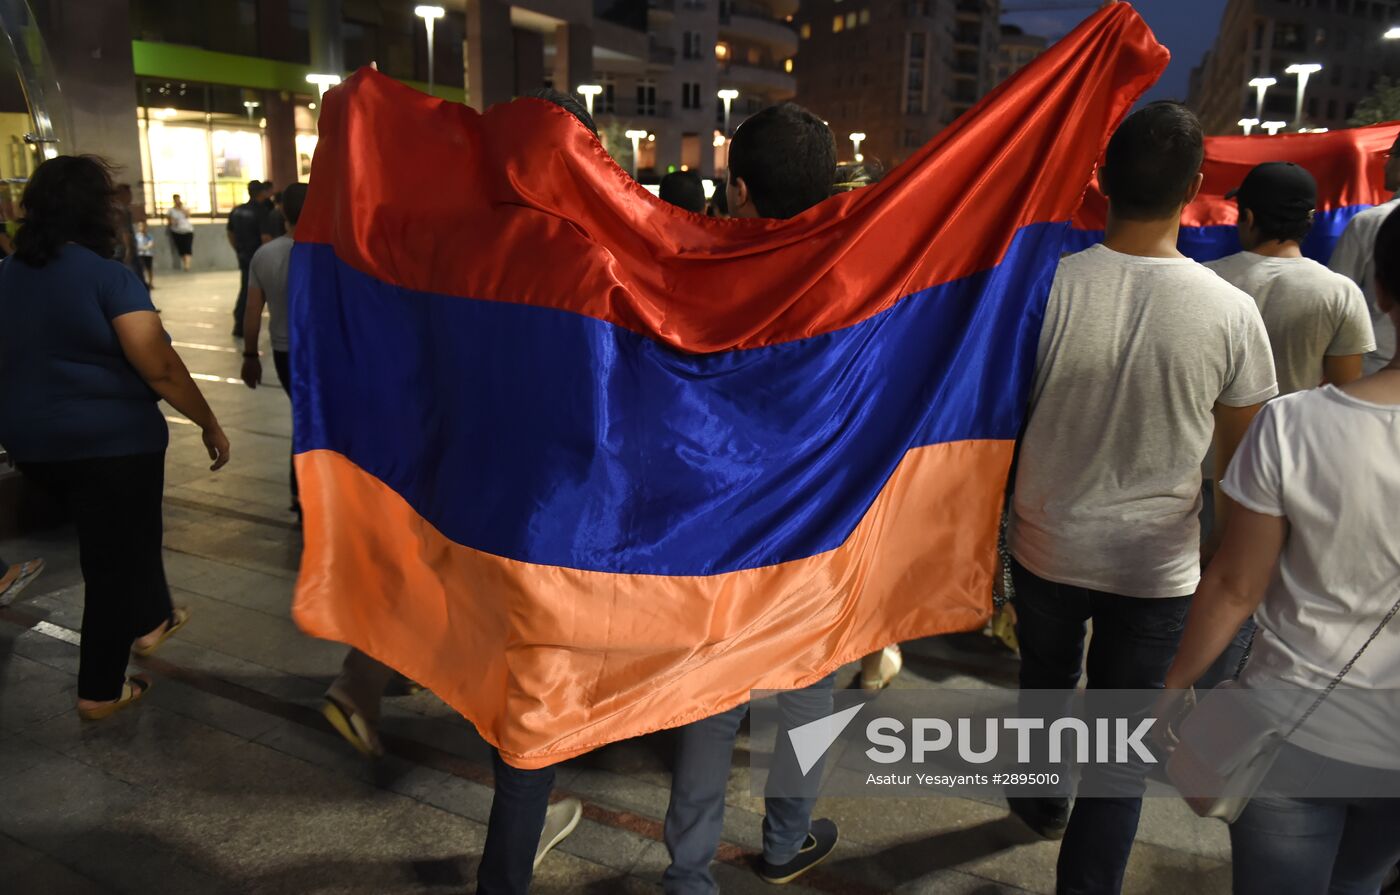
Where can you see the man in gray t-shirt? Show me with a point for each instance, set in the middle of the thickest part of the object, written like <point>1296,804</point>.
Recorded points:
<point>267,285</point>
<point>1144,357</point>
<point>1318,323</point>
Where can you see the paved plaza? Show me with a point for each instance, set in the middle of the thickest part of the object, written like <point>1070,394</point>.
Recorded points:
<point>226,778</point>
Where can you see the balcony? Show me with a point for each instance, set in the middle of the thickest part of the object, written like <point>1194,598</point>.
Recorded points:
<point>661,55</point>
<point>755,78</point>
<point>747,24</point>
<point>630,109</point>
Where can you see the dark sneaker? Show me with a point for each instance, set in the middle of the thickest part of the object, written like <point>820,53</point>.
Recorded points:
<point>1047,817</point>
<point>821,839</point>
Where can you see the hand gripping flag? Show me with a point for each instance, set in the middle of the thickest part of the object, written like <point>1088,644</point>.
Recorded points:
<point>589,466</point>
<point>1349,166</point>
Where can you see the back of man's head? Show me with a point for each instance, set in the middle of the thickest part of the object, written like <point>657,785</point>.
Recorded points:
<point>1152,162</point>
<point>566,102</point>
<point>293,198</point>
<point>786,156</point>
<point>684,189</point>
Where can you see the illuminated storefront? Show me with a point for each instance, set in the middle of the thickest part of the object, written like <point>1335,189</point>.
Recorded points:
<point>204,142</point>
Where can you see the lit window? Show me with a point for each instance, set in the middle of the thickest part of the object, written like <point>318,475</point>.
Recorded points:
<point>806,30</point>
<point>865,17</point>
<point>721,52</point>
<point>787,66</point>
<point>850,20</point>
<point>838,24</point>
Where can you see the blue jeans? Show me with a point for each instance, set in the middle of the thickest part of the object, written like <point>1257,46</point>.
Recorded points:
<point>1314,846</point>
<point>513,831</point>
<point>1132,648</point>
<point>695,817</point>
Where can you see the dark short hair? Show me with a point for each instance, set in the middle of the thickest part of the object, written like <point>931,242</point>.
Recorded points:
<point>1388,255</point>
<point>684,189</point>
<point>69,198</point>
<point>1271,227</point>
<point>1151,161</point>
<point>566,102</point>
<point>293,198</point>
<point>787,158</point>
<point>255,187</point>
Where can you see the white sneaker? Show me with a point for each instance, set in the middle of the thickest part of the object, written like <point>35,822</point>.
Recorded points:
<point>559,821</point>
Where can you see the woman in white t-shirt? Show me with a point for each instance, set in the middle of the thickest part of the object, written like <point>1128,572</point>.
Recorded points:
<point>177,222</point>
<point>1314,554</point>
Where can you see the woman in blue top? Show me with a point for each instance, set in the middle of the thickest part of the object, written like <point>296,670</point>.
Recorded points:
<point>84,362</point>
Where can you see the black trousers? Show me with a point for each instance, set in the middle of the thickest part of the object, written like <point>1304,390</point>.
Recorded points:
<point>282,360</point>
<point>115,502</point>
<point>241,303</point>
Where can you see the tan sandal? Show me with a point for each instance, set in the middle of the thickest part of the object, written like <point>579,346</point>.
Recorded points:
<point>179,617</point>
<point>25,574</point>
<point>134,688</point>
<point>351,725</point>
<point>878,669</point>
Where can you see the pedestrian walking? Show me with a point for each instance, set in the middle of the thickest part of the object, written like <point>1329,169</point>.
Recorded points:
<point>245,235</point>
<point>782,161</point>
<point>181,230</point>
<point>1318,325</point>
<point>1144,356</point>
<point>1354,257</point>
<point>146,254</point>
<point>267,287</point>
<point>84,362</point>
<point>1311,554</point>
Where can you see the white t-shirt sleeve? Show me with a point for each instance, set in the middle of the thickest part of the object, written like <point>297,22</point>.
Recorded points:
<point>1251,361</point>
<point>1354,334</point>
<point>1255,477</point>
<point>1347,255</point>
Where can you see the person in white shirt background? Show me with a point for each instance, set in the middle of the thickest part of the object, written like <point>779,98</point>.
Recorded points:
<point>1354,256</point>
<point>1312,554</point>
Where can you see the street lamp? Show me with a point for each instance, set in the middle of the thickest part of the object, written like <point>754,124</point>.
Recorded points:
<point>1302,70</point>
<point>1261,86</point>
<point>728,96</point>
<point>636,138</point>
<point>1392,34</point>
<point>857,138</point>
<point>1248,124</point>
<point>323,82</point>
<point>589,91</point>
<point>1274,127</point>
<point>429,15</point>
<point>250,105</point>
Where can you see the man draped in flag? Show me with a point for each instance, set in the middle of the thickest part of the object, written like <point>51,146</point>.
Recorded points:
<point>588,466</point>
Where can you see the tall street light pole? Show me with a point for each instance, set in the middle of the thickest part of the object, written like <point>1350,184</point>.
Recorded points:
<point>323,83</point>
<point>589,91</point>
<point>728,97</point>
<point>1303,71</point>
<point>1248,124</point>
<point>429,15</point>
<point>1261,86</point>
<point>857,138</point>
<point>636,138</point>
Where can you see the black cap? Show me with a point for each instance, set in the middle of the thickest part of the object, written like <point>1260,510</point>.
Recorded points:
<point>1279,191</point>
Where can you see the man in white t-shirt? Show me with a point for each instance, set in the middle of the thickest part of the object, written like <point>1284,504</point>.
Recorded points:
<point>1354,257</point>
<point>1317,320</point>
<point>1144,356</point>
